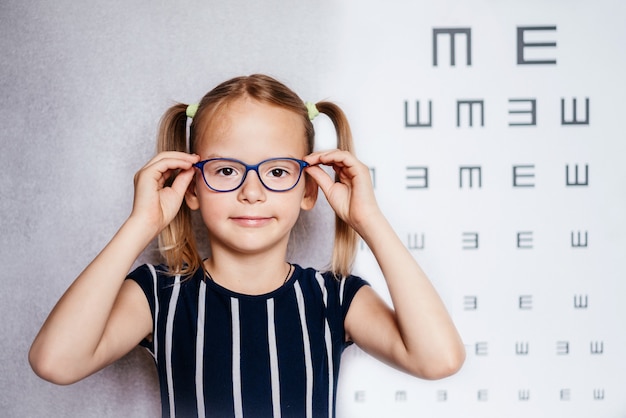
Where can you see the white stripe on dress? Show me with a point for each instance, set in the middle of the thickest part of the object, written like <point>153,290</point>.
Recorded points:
<point>237,396</point>
<point>342,284</point>
<point>155,341</point>
<point>329,345</point>
<point>169,325</point>
<point>200,351</point>
<point>274,375</point>
<point>307,350</point>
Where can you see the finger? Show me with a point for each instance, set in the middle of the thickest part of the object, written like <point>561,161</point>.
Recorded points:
<point>174,159</point>
<point>315,158</point>
<point>163,167</point>
<point>346,167</point>
<point>321,177</point>
<point>182,181</point>
<point>178,155</point>
<point>170,160</point>
<point>334,158</point>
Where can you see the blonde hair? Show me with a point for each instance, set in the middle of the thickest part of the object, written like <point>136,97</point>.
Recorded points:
<point>177,242</point>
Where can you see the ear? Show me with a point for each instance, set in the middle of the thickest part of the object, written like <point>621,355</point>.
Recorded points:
<point>191,198</point>
<point>310,193</point>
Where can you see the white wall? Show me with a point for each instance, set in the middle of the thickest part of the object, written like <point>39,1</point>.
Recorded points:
<point>83,88</point>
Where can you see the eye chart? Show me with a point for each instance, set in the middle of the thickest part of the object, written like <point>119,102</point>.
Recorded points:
<point>495,140</point>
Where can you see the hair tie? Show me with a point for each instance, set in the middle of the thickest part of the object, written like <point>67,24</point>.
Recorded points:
<point>191,110</point>
<point>312,110</point>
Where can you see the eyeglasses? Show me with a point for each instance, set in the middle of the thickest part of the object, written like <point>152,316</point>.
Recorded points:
<point>227,174</point>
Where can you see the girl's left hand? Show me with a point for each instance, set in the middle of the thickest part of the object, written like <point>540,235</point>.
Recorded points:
<point>352,196</point>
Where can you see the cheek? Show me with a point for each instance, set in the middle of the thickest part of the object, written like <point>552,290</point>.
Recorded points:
<point>294,205</point>
<point>211,204</point>
<point>207,213</point>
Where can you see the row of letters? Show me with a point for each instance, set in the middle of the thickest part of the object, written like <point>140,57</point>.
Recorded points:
<point>471,176</point>
<point>524,48</point>
<point>525,302</point>
<point>523,112</point>
<point>522,348</point>
<point>523,240</point>
<point>482,395</point>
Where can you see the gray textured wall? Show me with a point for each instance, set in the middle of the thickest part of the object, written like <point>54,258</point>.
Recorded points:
<point>83,87</point>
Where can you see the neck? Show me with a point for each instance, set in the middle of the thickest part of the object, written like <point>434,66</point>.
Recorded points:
<point>248,274</point>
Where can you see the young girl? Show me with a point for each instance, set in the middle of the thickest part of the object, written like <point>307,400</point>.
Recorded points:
<point>244,332</point>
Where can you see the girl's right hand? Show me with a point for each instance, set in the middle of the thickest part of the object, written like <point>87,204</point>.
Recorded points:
<point>156,203</point>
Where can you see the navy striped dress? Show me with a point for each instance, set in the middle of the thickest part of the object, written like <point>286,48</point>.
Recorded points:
<point>225,354</point>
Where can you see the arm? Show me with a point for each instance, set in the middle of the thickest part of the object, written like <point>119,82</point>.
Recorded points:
<point>418,335</point>
<point>101,317</point>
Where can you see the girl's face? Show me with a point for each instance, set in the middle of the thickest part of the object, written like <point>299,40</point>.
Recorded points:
<point>251,219</point>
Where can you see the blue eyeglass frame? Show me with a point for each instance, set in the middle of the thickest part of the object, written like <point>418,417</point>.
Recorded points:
<point>255,167</point>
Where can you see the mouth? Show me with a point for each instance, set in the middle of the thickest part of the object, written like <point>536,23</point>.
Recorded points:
<point>251,221</point>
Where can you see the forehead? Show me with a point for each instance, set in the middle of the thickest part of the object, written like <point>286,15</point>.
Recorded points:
<point>246,126</point>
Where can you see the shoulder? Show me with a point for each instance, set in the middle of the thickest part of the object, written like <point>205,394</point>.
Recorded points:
<point>147,270</point>
<point>330,286</point>
<point>345,284</point>
<point>158,277</point>
<point>146,275</point>
<point>328,277</point>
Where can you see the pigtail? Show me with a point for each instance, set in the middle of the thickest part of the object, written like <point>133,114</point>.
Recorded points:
<point>346,238</point>
<point>177,243</point>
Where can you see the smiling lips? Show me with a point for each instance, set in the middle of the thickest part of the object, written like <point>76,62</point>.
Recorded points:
<point>251,221</point>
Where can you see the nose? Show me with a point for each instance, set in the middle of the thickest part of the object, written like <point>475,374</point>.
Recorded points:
<point>252,190</point>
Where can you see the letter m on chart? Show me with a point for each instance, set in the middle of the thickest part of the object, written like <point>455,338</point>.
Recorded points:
<point>452,33</point>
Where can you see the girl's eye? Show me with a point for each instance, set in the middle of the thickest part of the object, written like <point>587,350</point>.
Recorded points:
<point>227,171</point>
<point>278,172</point>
